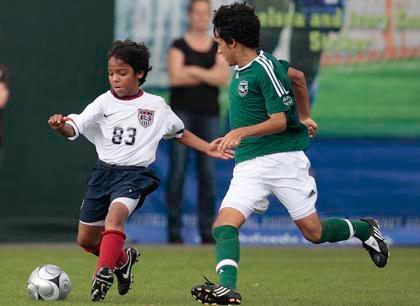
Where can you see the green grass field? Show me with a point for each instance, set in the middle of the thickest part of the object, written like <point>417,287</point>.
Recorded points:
<point>369,100</point>
<point>268,276</point>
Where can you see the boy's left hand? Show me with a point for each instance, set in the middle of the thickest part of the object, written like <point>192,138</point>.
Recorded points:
<point>311,125</point>
<point>221,154</point>
<point>231,140</point>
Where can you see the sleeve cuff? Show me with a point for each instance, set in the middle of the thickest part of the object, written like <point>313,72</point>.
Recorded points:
<point>75,128</point>
<point>176,135</point>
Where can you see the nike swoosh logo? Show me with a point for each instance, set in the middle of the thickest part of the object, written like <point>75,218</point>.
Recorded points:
<point>125,275</point>
<point>107,115</point>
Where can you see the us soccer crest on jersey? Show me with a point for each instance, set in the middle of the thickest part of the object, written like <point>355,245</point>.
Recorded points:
<point>145,117</point>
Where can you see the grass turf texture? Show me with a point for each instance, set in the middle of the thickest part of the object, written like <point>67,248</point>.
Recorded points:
<point>268,276</point>
<point>369,100</point>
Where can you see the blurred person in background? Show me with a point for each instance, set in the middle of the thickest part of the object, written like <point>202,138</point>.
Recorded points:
<point>195,73</point>
<point>4,96</point>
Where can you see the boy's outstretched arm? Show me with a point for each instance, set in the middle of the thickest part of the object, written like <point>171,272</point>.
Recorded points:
<point>191,140</point>
<point>297,78</point>
<point>58,122</point>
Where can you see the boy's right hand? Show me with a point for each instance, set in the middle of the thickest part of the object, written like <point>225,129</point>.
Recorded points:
<point>57,121</point>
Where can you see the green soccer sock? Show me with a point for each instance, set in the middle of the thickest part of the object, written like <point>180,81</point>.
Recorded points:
<point>227,254</point>
<point>361,229</point>
<point>337,229</point>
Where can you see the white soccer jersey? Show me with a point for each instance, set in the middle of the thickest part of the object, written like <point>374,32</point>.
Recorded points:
<point>127,132</point>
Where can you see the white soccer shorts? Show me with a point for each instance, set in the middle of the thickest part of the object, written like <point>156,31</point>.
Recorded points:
<point>283,174</point>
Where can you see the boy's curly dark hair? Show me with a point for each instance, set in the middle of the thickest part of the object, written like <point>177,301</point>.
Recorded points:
<point>237,22</point>
<point>136,55</point>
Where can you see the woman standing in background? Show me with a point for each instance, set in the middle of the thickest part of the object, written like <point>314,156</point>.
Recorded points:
<point>195,73</point>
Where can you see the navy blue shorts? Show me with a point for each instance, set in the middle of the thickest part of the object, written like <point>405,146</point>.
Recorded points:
<point>108,182</point>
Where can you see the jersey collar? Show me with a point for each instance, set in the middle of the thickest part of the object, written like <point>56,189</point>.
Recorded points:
<point>260,53</point>
<point>137,95</point>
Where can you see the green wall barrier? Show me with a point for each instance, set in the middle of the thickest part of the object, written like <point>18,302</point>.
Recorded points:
<point>56,55</point>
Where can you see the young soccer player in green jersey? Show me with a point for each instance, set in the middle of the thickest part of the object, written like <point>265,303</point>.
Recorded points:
<point>271,126</point>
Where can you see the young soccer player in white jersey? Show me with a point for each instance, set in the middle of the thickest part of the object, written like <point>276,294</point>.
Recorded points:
<point>126,125</point>
<point>271,124</point>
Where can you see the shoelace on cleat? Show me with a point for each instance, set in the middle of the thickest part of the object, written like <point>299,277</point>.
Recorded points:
<point>208,282</point>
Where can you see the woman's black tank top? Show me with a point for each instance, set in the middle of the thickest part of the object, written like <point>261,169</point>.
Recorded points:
<point>200,99</point>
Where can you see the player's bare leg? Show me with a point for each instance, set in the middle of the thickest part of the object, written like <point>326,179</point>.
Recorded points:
<point>225,233</point>
<point>123,269</point>
<point>129,256</point>
<point>337,229</point>
<point>110,249</point>
<point>310,227</point>
<point>89,237</point>
<point>229,216</point>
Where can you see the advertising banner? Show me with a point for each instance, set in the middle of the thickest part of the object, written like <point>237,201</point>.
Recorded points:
<point>361,62</point>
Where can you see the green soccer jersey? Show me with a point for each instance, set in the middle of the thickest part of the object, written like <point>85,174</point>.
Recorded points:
<point>257,90</point>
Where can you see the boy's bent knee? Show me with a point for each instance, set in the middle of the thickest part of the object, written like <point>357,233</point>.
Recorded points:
<point>88,245</point>
<point>313,236</point>
<point>229,216</point>
<point>117,215</point>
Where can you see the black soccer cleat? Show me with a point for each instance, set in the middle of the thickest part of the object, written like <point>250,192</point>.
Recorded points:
<point>123,273</point>
<point>102,281</point>
<point>211,294</point>
<point>375,245</point>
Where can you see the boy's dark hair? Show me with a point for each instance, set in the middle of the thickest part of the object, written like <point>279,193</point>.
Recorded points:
<point>237,22</point>
<point>134,54</point>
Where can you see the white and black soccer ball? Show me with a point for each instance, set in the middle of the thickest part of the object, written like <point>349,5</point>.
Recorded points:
<point>48,282</point>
